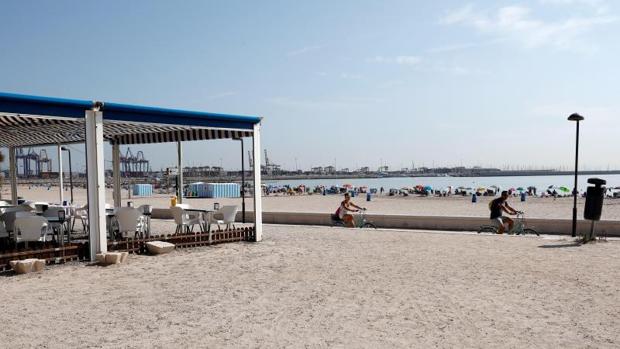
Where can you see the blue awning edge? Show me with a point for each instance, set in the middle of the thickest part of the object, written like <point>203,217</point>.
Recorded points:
<point>74,108</point>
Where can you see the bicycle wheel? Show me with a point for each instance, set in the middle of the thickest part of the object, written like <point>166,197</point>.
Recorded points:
<point>530,231</point>
<point>369,225</point>
<point>487,229</point>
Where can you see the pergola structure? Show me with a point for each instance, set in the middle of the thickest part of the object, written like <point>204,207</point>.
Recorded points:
<point>41,121</point>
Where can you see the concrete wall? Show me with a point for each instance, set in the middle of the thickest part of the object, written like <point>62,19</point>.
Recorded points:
<point>544,226</point>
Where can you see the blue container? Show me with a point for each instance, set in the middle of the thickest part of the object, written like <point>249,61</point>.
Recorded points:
<point>474,198</point>
<point>368,196</point>
<point>144,190</point>
<point>523,196</point>
<point>215,190</point>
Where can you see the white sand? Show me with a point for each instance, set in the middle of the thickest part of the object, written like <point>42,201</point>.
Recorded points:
<point>329,287</point>
<point>412,205</point>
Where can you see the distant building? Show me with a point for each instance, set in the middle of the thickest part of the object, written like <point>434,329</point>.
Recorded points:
<point>364,169</point>
<point>345,170</point>
<point>330,169</point>
<point>317,170</point>
<point>383,169</point>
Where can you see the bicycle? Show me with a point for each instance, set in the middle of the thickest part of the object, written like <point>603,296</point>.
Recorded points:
<point>359,221</point>
<point>517,229</point>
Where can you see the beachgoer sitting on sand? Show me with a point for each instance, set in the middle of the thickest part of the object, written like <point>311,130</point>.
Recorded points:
<point>347,206</point>
<point>498,206</point>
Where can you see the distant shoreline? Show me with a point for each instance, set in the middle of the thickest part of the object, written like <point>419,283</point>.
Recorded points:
<point>79,179</point>
<point>432,175</point>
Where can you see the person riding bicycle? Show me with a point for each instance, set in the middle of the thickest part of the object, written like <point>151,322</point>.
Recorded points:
<point>498,206</point>
<point>347,206</point>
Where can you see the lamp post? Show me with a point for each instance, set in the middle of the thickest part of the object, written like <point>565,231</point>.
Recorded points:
<point>575,117</point>
<point>70,171</point>
<point>242,182</point>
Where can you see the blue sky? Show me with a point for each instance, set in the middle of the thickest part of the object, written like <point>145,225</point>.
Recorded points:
<point>351,82</point>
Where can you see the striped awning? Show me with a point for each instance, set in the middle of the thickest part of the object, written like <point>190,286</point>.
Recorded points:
<point>18,130</point>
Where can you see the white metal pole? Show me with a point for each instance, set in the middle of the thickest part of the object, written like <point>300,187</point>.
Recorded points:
<point>116,173</point>
<point>96,183</point>
<point>180,172</point>
<point>60,175</point>
<point>258,213</point>
<point>13,174</point>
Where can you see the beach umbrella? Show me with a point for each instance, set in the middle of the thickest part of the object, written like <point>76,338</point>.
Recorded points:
<point>520,189</point>
<point>565,189</point>
<point>428,188</point>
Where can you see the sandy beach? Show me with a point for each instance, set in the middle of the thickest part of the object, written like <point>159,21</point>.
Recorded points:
<point>329,287</point>
<point>560,208</point>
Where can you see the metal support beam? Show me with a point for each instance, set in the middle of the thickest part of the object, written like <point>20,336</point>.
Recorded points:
<point>116,173</point>
<point>96,183</point>
<point>13,174</point>
<point>61,184</point>
<point>242,183</point>
<point>258,213</point>
<point>180,173</point>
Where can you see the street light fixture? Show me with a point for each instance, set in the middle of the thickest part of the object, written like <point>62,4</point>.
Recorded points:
<point>575,117</point>
<point>70,171</point>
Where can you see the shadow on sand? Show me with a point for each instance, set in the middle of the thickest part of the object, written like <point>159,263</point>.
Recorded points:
<point>562,245</point>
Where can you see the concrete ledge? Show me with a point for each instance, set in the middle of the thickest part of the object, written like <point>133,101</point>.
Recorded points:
<point>543,226</point>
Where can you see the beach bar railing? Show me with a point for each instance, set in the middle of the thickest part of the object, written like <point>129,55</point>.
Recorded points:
<point>43,121</point>
<point>79,251</point>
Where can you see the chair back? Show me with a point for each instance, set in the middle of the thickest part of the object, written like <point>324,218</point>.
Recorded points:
<point>229,213</point>
<point>127,218</point>
<point>30,227</point>
<point>80,211</point>
<point>55,212</point>
<point>146,209</point>
<point>40,207</point>
<point>178,213</point>
<point>9,218</point>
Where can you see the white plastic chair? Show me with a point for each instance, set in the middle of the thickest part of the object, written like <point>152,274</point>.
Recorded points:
<point>185,222</point>
<point>80,213</point>
<point>31,229</point>
<point>146,210</point>
<point>130,221</point>
<point>228,214</point>
<point>58,213</point>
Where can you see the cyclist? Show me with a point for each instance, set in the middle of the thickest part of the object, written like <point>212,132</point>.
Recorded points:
<point>347,206</point>
<point>498,206</point>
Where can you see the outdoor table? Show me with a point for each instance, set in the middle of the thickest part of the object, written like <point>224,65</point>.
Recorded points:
<point>206,226</point>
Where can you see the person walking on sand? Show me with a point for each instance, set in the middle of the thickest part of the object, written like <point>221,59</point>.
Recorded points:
<point>498,206</point>
<point>347,206</point>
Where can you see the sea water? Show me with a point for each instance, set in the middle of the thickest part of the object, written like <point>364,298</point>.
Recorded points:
<point>504,182</point>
